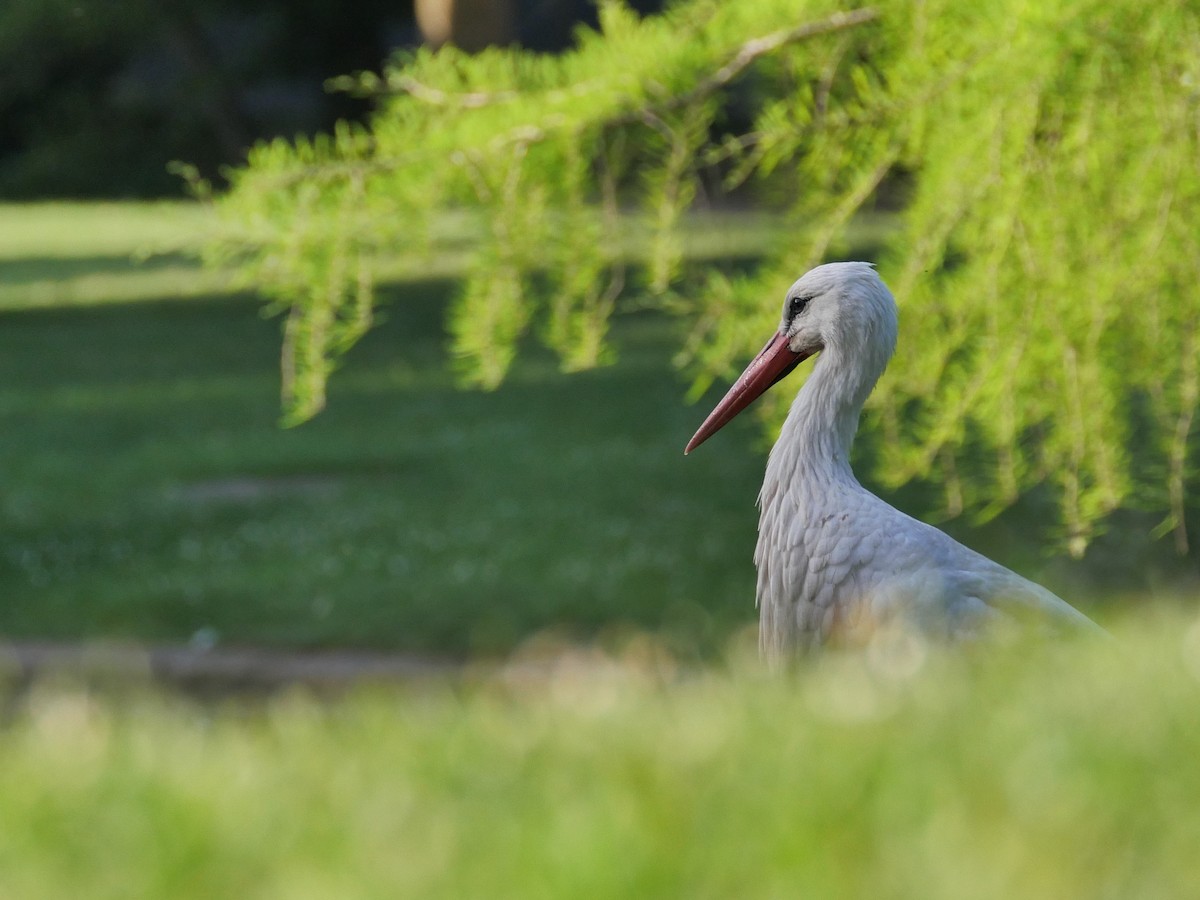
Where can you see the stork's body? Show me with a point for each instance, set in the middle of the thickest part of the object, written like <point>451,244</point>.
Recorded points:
<point>833,559</point>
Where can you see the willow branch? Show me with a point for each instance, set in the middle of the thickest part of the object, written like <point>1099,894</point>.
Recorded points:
<point>742,60</point>
<point>437,97</point>
<point>753,49</point>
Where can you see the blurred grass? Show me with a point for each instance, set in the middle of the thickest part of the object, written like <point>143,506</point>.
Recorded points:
<point>1055,772</point>
<point>62,254</point>
<point>81,254</point>
<point>68,230</point>
<point>150,494</point>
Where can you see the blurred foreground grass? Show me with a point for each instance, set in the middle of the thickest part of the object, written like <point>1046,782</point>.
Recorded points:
<point>1065,771</point>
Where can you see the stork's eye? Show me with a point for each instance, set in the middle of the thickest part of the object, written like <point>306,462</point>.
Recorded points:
<point>797,305</point>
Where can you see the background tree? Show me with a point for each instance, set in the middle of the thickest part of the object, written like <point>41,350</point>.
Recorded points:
<point>1046,262</point>
<point>98,96</point>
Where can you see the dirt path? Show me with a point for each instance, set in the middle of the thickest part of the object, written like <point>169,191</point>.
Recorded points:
<point>212,671</point>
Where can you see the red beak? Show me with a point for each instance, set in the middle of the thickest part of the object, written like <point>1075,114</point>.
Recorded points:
<point>773,362</point>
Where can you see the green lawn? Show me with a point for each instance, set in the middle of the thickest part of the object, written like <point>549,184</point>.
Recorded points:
<point>148,492</point>
<point>1060,772</point>
<point>55,255</point>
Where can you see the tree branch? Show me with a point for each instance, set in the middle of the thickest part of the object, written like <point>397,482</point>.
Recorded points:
<point>749,53</point>
<point>752,50</point>
<point>436,97</point>
<point>746,55</point>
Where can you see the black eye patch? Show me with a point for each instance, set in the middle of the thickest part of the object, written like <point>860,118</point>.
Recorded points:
<point>797,305</point>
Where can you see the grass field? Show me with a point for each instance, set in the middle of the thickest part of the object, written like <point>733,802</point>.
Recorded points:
<point>148,492</point>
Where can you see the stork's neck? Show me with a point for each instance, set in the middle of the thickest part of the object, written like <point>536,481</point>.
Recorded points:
<point>814,445</point>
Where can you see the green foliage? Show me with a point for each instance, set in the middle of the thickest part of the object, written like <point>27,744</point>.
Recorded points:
<point>1046,264</point>
<point>533,141</point>
<point>1056,773</point>
<point>1056,212</point>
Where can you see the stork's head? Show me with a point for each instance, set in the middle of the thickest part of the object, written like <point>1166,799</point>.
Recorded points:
<point>840,307</point>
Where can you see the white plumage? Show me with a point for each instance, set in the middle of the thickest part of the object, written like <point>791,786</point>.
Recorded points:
<point>834,561</point>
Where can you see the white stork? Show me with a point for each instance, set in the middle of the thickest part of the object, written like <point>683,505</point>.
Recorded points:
<point>834,561</point>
